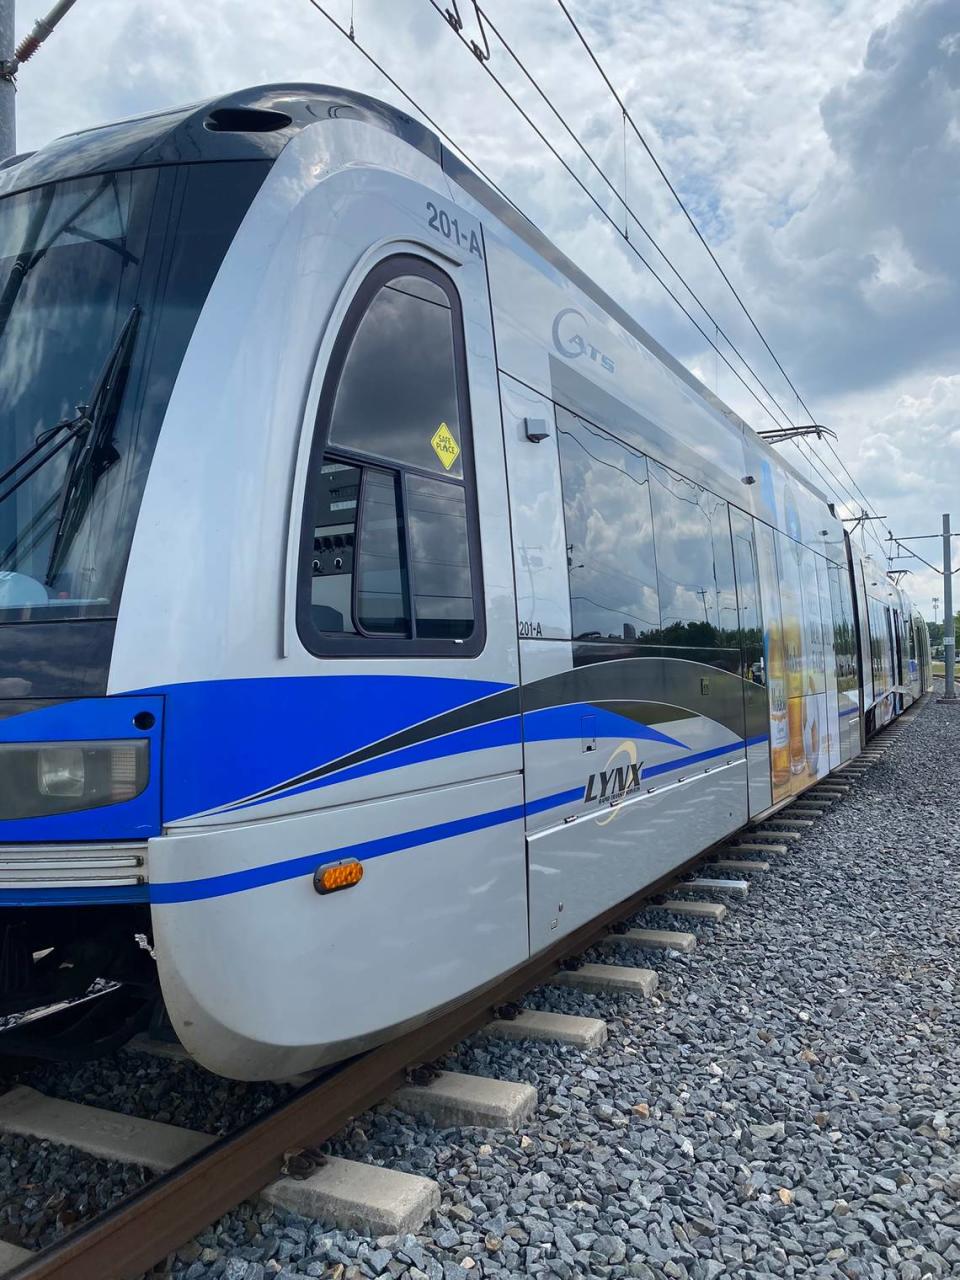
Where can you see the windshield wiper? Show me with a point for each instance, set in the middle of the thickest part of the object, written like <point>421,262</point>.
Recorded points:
<point>95,454</point>
<point>85,418</point>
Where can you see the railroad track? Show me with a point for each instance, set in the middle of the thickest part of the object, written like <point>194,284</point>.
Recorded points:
<point>199,1179</point>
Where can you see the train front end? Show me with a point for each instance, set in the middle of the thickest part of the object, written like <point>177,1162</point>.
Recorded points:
<point>109,244</point>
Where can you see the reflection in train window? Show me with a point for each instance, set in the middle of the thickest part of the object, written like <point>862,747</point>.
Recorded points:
<point>398,382</point>
<point>753,665</point>
<point>390,553</point>
<point>610,557</point>
<point>698,600</point>
<point>814,680</point>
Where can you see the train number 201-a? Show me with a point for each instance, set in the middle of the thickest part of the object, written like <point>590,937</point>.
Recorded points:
<point>440,220</point>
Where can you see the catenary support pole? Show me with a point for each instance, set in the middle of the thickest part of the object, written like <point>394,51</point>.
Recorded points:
<point>12,59</point>
<point>8,92</point>
<point>949,626</point>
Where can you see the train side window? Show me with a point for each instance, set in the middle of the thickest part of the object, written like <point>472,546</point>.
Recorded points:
<point>390,558</point>
<point>698,600</point>
<point>610,557</point>
<point>748,596</point>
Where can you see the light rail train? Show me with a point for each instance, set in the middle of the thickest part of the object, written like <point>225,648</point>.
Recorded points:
<point>379,603</point>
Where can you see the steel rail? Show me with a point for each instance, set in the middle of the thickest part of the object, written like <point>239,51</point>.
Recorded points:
<point>132,1237</point>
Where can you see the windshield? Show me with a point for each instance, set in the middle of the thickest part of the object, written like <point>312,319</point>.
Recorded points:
<point>101,282</point>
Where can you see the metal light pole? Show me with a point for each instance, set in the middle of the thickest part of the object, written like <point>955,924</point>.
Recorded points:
<point>8,91</point>
<point>949,626</point>
<point>12,59</point>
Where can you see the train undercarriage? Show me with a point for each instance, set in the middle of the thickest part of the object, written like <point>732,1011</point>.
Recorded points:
<point>84,981</point>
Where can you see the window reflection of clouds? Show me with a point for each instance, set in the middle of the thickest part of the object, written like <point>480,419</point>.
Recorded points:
<point>380,601</point>
<point>813,658</point>
<point>398,382</point>
<point>397,385</point>
<point>694,561</point>
<point>440,558</point>
<point>609,534</point>
<point>74,258</point>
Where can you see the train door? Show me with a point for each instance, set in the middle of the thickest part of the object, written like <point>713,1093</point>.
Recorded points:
<point>406,586</point>
<point>862,619</point>
<point>775,662</point>
<point>753,669</point>
<point>633,761</point>
<point>845,660</point>
<point>390,726</point>
<point>896,621</point>
<point>828,623</point>
<point>894,674</point>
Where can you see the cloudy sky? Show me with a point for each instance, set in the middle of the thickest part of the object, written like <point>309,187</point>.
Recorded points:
<point>816,142</point>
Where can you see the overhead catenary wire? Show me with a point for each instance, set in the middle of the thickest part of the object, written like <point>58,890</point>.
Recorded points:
<point>813,460</point>
<point>690,219</point>
<point>612,221</point>
<point>936,569</point>
<point>679,200</point>
<point>629,212</point>
<point>350,35</point>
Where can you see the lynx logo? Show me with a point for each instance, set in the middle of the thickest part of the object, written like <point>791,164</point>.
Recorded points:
<point>571,343</point>
<point>614,782</point>
<point>611,784</point>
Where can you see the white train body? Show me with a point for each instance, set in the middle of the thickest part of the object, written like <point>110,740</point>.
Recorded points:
<point>602,630</point>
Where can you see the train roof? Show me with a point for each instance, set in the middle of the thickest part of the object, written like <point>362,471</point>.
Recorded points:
<point>257,123</point>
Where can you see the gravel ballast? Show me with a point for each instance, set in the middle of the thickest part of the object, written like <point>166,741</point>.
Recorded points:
<point>787,1103</point>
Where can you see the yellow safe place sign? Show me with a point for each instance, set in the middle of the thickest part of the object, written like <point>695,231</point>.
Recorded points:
<point>445,446</point>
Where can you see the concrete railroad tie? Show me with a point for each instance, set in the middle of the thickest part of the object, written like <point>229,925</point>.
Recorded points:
<point>351,1195</point>
<point>714,911</point>
<point>748,846</point>
<point>12,1256</point>
<point>740,864</point>
<point>652,940</point>
<point>788,822</point>
<point>602,978</point>
<point>557,1028</point>
<point>457,1100</point>
<point>710,884</point>
<point>776,831</point>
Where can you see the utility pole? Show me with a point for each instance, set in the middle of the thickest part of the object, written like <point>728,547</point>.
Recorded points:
<point>12,59</point>
<point>949,625</point>
<point>8,90</point>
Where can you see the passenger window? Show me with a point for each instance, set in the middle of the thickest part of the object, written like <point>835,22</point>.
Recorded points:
<point>610,557</point>
<point>399,380</point>
<point>381,599</point>
<point>440,558</point>
<point>698,600</point>
<point>389,553</point>
<point>814,677</point>
<point>751,621</point>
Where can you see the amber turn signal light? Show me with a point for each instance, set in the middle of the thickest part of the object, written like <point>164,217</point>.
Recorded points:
<point>342,876</point>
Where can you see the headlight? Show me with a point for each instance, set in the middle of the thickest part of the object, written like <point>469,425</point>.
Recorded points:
<point>60,771</point>
<point>42,778</point>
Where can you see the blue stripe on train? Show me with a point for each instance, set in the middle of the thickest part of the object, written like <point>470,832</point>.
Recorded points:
<point>551,723</point>
<point>291,869</point>
<point>227,739</point>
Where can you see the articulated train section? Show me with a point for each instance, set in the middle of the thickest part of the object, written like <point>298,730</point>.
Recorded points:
<point>392,608</point>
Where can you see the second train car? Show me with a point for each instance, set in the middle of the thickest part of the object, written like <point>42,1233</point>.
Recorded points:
<point>378,601</point>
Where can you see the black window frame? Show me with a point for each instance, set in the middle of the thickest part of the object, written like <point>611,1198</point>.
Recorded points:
<point>372,644</point>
